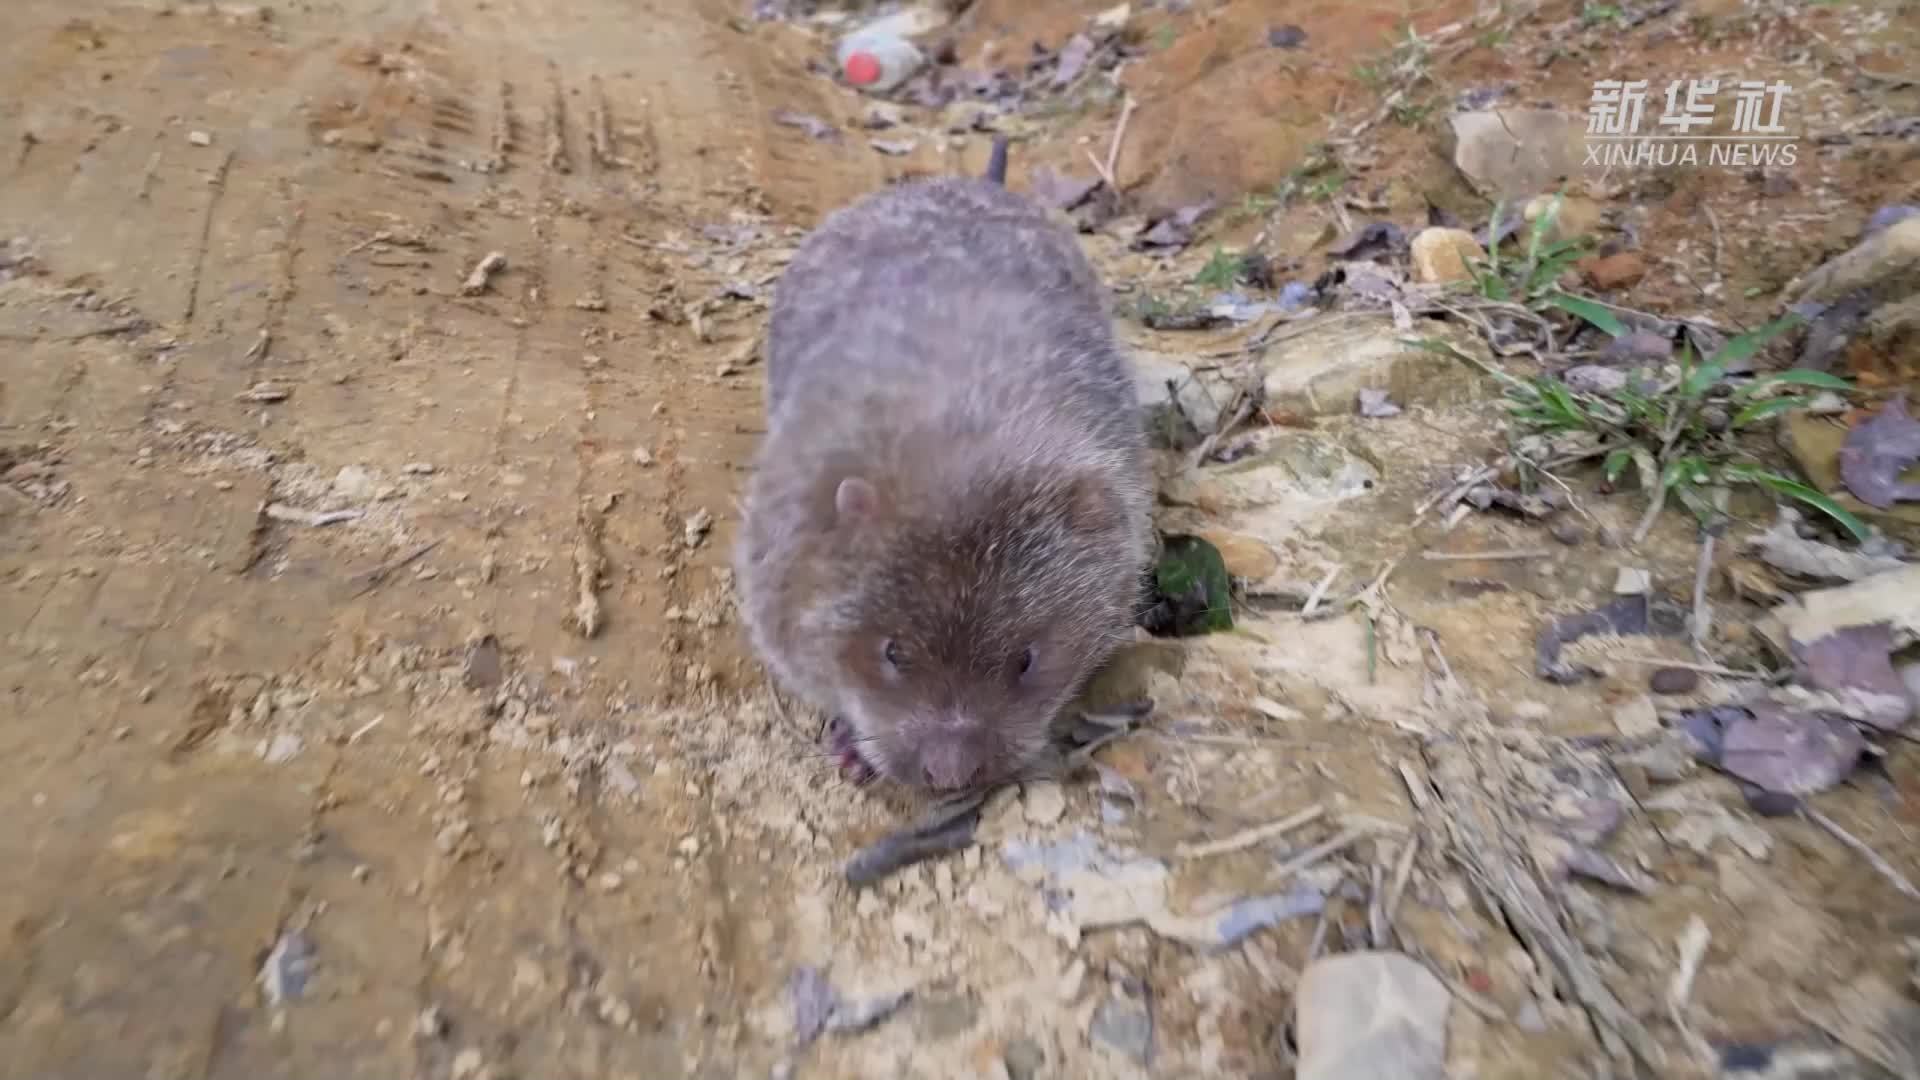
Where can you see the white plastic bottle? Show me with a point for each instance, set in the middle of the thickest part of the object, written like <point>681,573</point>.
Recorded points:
<point>876,59</point>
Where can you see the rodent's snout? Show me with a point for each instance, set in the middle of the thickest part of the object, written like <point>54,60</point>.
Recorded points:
<point>950,762</point>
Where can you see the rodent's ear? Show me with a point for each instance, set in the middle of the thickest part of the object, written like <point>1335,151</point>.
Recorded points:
<point>855,500</point>
<point>1091,506</point>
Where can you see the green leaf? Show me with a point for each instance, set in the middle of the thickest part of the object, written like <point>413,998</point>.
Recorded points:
<point>1616,464</point>
<point>1190,566</point>
<point>1797,377</point>
<point>1760,410</point>
<point>1794,489</point>
<point>1744,346</point>
<point>1599,316</point>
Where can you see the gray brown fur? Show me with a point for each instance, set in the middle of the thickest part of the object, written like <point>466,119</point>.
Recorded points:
<point>947,344</point>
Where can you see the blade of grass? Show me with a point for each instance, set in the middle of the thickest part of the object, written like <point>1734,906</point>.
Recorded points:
<point>1794,489</point>
<point>1819,380</point>
<point>1760,410</point>
<point>1606,321</point>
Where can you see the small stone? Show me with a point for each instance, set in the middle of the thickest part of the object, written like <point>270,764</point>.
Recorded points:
<point>1246,557</point>
<point>1618,271</point>
<point>1636,717</point>
<point>1594,379</point>
<point>1673,680</point>
<point>1368,1014</point>
<point>417,468</point>
<point>1125,1025</point>
<point>354,482</point>
<point>467,1064</point>
<point>1045,802</point>
<point>642,456</point>
<point>1442,255</point>
<point>199,138</point>
<point>1023,1058</point>
<point>1632,581</point>
<point>1567,531</point>
<point>431,1023</point>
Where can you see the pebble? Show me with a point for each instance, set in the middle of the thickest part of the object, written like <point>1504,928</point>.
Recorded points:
<point>1045,802</point>
<point>642,456</point>
<point>1619,271</point>
<point>1125,1025</point>
<point>199,138</point>
<point>467,1064</point>
<point>1442,254</point>
<point>1673,680</point>
<point>1370,1014</point>
<point>1636,717</point>
<point>431,1024</point>
<point>1567,532</point>
<point>1594,379</point>
<point>1023,1058</point>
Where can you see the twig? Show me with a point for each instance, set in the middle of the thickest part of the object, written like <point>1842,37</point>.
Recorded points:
<point>1377,907</point>
<point>1402,873</point>
<point>1475,556</point>
<point>1860,848</point>
<point>1719,246</point>
<point>1240,416</point>
<point>1702,621</point>
<point>1320,590</point>
<point>1249,837</point>
<point>1315,854</point>
<point>1113,148</point>
<point>372,578</point>
<point>1704,669</point>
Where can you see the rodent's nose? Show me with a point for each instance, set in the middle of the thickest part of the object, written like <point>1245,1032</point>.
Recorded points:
<point>948,781</point>
<point>948,766</point>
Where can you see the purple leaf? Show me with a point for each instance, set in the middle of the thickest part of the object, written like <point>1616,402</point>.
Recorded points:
<point>1790,753</point>
<point>1857,663</point>
<point>1877,451</point>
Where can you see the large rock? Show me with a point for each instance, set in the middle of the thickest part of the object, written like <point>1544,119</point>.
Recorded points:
<point>1517,153</point>
<point>1886,265</point>
<point>1320,368</point>
<point>1370,1015</point>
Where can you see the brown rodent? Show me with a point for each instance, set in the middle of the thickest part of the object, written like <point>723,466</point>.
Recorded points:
<point>947,520</point>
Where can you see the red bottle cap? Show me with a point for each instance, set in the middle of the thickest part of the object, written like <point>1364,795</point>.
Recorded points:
<point>863,68</point>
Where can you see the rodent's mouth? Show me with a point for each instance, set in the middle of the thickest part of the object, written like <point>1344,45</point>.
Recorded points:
<point>846,752</point>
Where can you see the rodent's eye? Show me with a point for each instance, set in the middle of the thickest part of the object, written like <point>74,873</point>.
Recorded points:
<point>1027,658</point>
<point>890,652</point>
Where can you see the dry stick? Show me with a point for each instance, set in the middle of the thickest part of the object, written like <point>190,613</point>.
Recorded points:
<point>1475,556</point>
<point>1719,246</point>
<point>1702,620</point>
<point>1483,842</point>
<point>1319,591</point>
<point>1249,837</point>
<point>1240,416</point>
<point>1113,148</point>
<point>1315,854</point>
<point>1377,908</point>
<point>1402,873</point>
<point>1860,848</point>
<point>1704,669</point>
<point>373,577</point>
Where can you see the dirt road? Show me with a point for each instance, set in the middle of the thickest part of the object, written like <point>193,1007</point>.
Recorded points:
<point>377,377</point>
<point>218,728</point>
